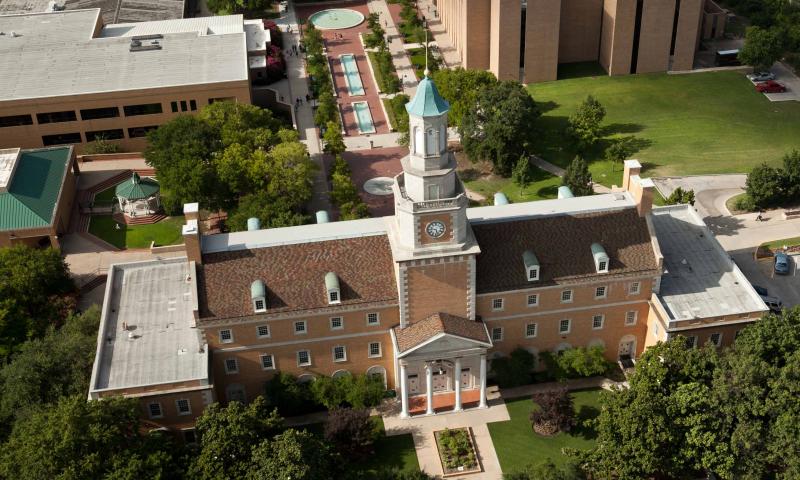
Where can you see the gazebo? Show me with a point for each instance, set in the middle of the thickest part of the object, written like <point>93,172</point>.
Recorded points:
<point>138,196</point>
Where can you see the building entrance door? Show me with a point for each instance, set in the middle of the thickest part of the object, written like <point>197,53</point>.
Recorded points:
<point>625,349</point>
<point>439,382</point>
<point>466,378</point>
<point>413,384</point>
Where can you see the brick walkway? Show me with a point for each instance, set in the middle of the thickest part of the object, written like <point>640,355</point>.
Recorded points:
<point>378,162</point>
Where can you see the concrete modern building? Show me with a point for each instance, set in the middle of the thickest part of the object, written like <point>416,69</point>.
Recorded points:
<point>65,78</point>
<point>426,298</point>
<point>526,40</point>
<point>37,190</point>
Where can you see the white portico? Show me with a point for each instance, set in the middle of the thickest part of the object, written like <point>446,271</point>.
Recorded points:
<point>442,355</point>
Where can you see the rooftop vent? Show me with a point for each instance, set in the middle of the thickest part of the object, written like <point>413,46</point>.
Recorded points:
<point>322,216</point>
<point>500,198</point>
<point>141,43</point>
<point>253,224</point>
<point>600,258</point>
<point>564,192</point>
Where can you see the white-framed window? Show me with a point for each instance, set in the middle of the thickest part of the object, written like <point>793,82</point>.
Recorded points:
<point>497,334</point>
<point>531,330</point>
<point>533,274</point>
<point>226,336</point>
<point>373,318</point>
<point>600,292</point>
<point>375,349</point>
<point>231,366</point>
<point>533,300</point>
<point>630,317</point>
<point>259,305</point>
<point>189,435</point>
<point>564,326</point>
<point>497,304</point>
<point>262,331</point>
<point>303,358</point>
<point>691,341</point>
<point>339,353</point>
<point>154,409</point>
<point>716,339</point>
<point>267,361</point>
<point>598,321</point>
<point>634,288</point>
<point>337,323</point>
<point>602,266</point>
<point>566,296</point>
<point>333,296</point>
<point>183,406</point>
<point>300,327</point>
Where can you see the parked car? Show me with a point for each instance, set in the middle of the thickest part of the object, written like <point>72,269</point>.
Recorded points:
<point>761,76</point>
<point>782,264</point>
<point>760,290</point>
<point>774,304</point>
<point>770,86</point>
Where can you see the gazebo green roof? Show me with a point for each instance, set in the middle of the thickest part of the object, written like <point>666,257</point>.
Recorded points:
<point>32,195</point>
<point>137,188</point>
<point>427,102</point>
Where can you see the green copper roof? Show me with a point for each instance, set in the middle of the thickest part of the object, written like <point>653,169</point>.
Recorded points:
<point>32,194</point>
<point>427,102</point>
<point>136,188</point>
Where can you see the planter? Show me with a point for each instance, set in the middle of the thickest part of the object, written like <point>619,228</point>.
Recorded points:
<point>457,453</point>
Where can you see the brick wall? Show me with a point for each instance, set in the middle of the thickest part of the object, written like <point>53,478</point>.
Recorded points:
<point>616,42</point>
<point>688,34</point>
<point>579,36</point>
<point>656,36</point>
<point>505,37</point>
<point>542,22</point>
<point>437,285</point>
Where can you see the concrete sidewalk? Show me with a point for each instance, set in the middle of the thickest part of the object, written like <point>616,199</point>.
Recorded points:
<point>401,62</point>
<point>450,55</point>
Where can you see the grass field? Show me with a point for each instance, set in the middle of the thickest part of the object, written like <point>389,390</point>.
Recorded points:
<point>165,232</point>
<point>390,452</point>
<point>776,245</point>
<point>685,124</point>
<point>544,186</point>
<point>517,445</point>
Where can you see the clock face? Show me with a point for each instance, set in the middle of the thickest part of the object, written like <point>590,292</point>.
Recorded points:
<point>435,229</point>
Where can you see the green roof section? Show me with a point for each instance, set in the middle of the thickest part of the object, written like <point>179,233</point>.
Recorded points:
<point>32,195</point>
<point>427,102</point>
<point>137,188</point>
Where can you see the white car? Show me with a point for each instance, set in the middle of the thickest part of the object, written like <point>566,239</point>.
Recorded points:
<point>761,76</point>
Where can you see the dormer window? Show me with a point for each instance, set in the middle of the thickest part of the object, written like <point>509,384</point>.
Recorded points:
<point>258,294</point>
<point>600,258</point>
<point>531,265</point>
<point>332,288</point>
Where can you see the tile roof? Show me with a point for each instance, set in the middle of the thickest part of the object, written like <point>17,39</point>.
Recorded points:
<point>32,195</point>
<point>562,244</point>
<point>295,276</point>
<point>419,332</point>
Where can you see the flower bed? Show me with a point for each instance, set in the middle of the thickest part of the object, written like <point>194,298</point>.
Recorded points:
<point>457,451</point>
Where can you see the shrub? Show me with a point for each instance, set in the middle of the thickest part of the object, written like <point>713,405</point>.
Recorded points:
<point>100,146</point>
<point>556,412</point>
<point>514,370</point>
<point>290,397</point>
<point>576,362</point>
<point>680,196</point>
<point>274,33</point>
<point>357,391</point>
<point>744,203</point>
<point>584,124</point>
<point>456,449</point>
<point>764,185</point>
<point>351,432</point>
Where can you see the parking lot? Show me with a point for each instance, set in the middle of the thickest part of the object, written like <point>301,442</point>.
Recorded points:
<point>789,80</point>
<point>784,287</point>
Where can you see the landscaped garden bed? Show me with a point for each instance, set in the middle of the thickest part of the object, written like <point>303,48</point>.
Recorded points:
<point>457,451</point>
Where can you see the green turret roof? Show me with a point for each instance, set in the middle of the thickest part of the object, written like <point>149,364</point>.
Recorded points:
<point>427,102</point>
<point>137,188</point>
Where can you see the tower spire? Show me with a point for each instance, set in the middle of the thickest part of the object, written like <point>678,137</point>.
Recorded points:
<point>427,72</point>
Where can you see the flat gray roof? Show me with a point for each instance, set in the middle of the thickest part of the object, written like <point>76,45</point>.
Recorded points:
<point>54,54</point>
<point>544,208</point>
<point>113,11</point>
<point>699,280</point>
<point>155,300</point>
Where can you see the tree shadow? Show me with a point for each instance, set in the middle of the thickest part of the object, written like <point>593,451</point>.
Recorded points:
<point>583,427</point>
<point>722,225</point>
<point>547,106</point>
<point>615,128</point>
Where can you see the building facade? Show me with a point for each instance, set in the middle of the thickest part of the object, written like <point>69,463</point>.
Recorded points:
<point>65,78</point>
<point>426,298</point>
<point>527,40</point>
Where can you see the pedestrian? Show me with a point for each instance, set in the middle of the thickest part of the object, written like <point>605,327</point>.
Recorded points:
<point>308,97</point>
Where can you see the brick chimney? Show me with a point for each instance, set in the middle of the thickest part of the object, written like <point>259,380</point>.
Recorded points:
<point>192,237</point>
<point>640,188</point>
<point>632,167</point>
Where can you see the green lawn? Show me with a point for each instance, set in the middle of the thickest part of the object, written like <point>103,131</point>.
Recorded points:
<point>390,113</point>
<point>686,124</point>
<point>165,232</point>
<point>544,186</point>
<point>390,452</point>
<point>517,445</point>
<point>779,244</point>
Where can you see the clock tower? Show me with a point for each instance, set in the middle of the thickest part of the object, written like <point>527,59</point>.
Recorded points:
<point>432,242</point>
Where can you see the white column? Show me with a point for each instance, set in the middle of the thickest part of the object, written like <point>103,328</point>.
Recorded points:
<point>482,403</point>
<point>403,392</point>
<point>457,386</point>
<point>429,373</point>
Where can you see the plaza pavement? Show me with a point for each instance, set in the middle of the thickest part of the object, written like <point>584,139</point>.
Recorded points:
<point>395,43</point>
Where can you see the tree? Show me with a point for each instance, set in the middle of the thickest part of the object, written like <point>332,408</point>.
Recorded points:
<point>578,178</point>
<point>295,455</point>
<point>271,213</point>
<point>547,470</point>
<point>100,145</point>
<point>791,175</point>
<point>290,397</point>
<point>556,412</point>
<point>351,432</point>
<point>762,47</point>
<point>461,88</point>
<point>576,362</point>
<point>334,143</point>
<point>327,111</point>
<point>501,126</point>
<point>522,174</point>
<point>242,123</point>
<point>584,125</point>
<point>44,370</point>
<point>36,292</point>
<point>375,38</point>
<point>621,149</point>
<point>764,185</point>
<point>79,439</point>
<point>680,196</point>
<point>227,435</point>
<point>515,369</point>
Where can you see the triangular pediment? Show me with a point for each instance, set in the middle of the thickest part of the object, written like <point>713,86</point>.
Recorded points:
<point>448,342</point>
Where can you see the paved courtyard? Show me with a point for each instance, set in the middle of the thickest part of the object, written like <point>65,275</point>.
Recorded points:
<point>378,162</point>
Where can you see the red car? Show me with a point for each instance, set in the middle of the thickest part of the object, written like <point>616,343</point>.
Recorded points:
<point>770,86</point>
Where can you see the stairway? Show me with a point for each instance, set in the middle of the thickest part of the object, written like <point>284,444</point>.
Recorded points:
<point>110,182</point>
<point>140,219</point>
<point>95,282</point>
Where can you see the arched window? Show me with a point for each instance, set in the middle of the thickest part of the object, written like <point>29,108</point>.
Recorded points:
<point>443,138</point>
<point>236,393</point>
<point>419,141</point>
<point>431,142</point>
<point>377,371</point>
